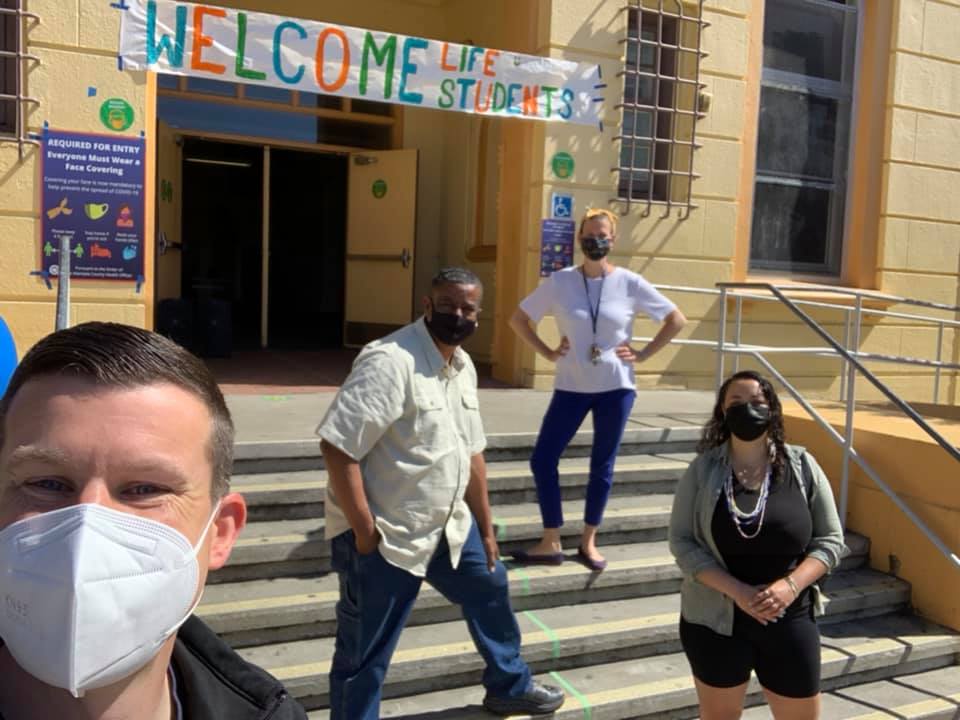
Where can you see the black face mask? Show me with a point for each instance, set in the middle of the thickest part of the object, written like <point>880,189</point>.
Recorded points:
<point>450,329</point>
<point>595,248</point>
<point>747,421</point>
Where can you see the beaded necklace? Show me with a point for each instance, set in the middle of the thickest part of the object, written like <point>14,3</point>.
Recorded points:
<point>743,519</point>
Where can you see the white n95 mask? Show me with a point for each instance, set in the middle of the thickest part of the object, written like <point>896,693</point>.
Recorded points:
<point>90,594</point>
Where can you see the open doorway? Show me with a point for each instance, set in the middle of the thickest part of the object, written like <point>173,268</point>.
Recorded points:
<point>222,266</point>
<point>308,226</point>
<point>222,244</point>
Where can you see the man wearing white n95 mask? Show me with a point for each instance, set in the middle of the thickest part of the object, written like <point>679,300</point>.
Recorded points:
<point>115,455</point>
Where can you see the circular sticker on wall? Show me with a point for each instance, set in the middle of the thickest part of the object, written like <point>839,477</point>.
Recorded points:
<point>562,164</point>
<point>116,114</point>
<point>379,188</point>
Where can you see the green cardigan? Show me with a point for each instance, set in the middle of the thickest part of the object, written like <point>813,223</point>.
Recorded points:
<point>691,537</point>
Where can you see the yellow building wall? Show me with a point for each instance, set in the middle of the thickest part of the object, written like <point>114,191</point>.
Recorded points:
<point>905,240</point>
<point>507,25</point>
<point>697,251</point>
<point>921,473</point>
<point>76,42</point>
<point>892,244</point>
<point>920,217</point>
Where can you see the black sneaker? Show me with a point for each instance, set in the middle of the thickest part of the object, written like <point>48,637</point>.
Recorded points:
<point>537,700</point>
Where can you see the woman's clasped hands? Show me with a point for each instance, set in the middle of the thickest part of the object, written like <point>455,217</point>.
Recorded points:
<point>765,604</point>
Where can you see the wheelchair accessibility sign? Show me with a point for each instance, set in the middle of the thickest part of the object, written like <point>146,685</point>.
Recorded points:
<point>561,206</point>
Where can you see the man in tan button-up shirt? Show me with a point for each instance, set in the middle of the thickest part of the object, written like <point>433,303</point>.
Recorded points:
<point>407,500</point>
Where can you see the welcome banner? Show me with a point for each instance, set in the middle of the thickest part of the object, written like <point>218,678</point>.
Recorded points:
<point>237,46</point>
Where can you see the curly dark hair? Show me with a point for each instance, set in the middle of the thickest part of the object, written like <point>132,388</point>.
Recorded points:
<point>716,433</point>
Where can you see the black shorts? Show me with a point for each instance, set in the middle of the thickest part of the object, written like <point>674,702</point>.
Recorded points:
<point>785,654</point>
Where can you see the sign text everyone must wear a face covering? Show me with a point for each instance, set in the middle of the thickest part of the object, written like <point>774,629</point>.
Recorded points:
<point>257,48</point>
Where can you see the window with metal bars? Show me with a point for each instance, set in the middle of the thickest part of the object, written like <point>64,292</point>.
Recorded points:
<point>660,107</point>
<point>9,50</point>
<point>13,60</point>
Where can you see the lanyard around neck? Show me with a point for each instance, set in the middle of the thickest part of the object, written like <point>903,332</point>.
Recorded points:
<point>594,311</point>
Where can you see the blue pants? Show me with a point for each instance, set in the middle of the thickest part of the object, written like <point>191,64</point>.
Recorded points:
<point>375,601</point>
<point>563,418</point>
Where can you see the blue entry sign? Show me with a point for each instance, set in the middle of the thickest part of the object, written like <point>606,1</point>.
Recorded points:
<point>8,356</point>
<point>561,206</point>
<point>556,245</point>
<point>93,194</point>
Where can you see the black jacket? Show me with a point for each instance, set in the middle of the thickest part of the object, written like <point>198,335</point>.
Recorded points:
<point>214,683</point>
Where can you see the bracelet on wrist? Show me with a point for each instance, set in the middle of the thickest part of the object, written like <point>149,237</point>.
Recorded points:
<point>793,586</point>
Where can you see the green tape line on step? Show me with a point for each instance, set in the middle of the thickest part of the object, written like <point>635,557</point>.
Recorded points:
<point>581,698</point>
<point>551,635</point>
<point>501,529</point>
<point>524,579</point>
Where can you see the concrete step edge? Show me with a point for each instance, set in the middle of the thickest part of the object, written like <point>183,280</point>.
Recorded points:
<point>310,447</point>
<point>499,479</point>
<point>305,540</point>
<point>314,607</point>
<point>930,695</point>
<point>873,658</point>
<point>255,547</point>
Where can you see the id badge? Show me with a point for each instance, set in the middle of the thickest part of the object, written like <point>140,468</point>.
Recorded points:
<point>594,353</point>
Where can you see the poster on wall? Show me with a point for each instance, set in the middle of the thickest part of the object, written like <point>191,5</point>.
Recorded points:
<point>556,245</point>
<point>232,45</point>
<point>93,194</point>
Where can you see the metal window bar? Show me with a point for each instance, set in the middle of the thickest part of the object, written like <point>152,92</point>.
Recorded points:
<point>21,57</point>
<point>644,106</point>
<point>655,125</point>
<point>629,172</point>
<point>658,76</point>
<point>657,171</point>
<point>851,356</point>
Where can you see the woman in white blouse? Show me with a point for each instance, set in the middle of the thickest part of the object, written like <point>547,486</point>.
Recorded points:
<point>594,306</point>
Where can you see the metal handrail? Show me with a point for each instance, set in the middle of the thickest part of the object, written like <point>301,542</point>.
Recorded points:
<point>872,294</point>
<point>941,323</point>
<point>864,465</point>
<point>831,306</point>
<point>904,406</point>
<point>852,358</point>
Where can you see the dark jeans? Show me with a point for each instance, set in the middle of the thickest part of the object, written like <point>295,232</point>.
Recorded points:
<point>375,601</point>
<point>563,418</point>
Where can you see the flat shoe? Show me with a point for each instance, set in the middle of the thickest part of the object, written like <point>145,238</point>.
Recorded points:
<point>595,565</point>
<point>539,699</point>
<point>522,556</point>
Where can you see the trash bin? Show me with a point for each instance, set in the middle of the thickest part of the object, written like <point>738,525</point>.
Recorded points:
<point>215,328</point>
<point>175,321</point>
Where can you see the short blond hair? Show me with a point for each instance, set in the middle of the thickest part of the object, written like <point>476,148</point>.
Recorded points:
<point>592,213</point>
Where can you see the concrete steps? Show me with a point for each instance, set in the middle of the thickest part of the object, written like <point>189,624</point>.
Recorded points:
<point>271,456</point>
<point>931,695</point>
<point>276,543</point>
<point>300,494</point>
<point>286,608</point>
<point>660,686</point>
<point>610,636</point>
<point>441,655</point>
